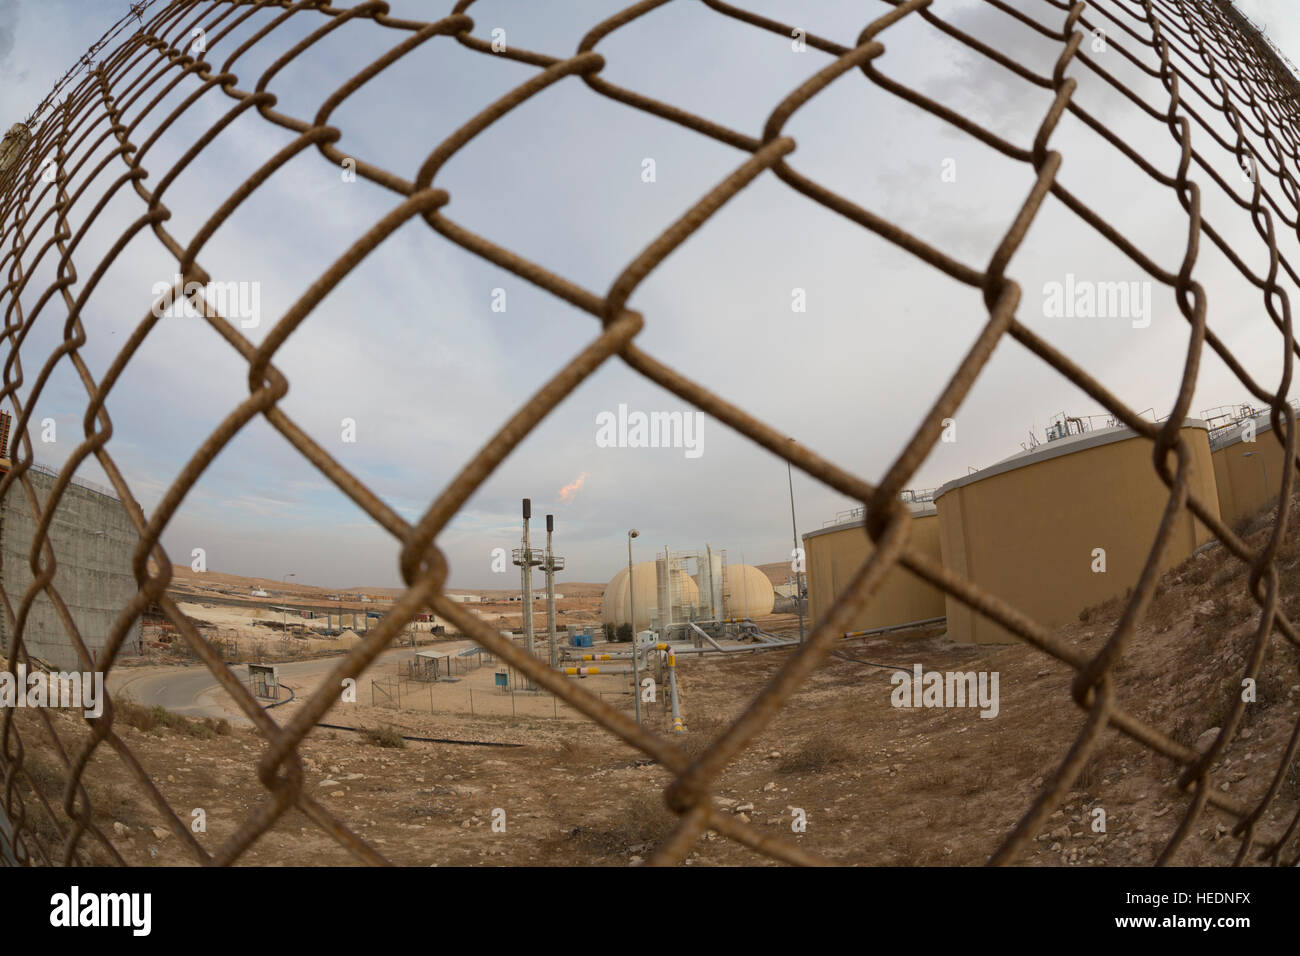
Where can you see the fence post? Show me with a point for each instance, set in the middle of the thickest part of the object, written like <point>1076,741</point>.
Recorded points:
<point>471,701</point>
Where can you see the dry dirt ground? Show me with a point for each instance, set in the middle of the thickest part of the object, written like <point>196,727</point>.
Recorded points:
<point>253,629</point>
<point>878,784</point>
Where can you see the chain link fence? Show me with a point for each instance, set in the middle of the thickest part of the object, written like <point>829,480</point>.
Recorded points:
<point>1203,47</point>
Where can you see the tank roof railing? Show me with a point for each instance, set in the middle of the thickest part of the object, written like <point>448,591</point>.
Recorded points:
<point>910,495</point>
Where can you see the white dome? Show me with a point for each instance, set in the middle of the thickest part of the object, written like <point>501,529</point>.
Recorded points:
<point>749,592</point>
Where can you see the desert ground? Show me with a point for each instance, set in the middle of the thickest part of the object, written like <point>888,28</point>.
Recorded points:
<point>877,784</point>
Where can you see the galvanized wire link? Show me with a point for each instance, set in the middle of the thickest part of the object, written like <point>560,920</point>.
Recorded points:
<point>1217,73</point>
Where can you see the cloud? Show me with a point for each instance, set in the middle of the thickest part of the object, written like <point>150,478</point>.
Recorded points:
<point>409,346</point>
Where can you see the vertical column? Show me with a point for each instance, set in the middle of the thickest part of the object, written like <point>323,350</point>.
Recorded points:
<point>550,586</point>
<point>526,584</point>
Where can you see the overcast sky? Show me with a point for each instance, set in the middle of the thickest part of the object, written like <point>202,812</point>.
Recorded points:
<point>409,345</point>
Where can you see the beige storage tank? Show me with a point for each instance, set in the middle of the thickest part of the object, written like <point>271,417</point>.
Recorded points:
<point>1248,474</point>
<point>614,606</point>
<point>1026,528</point>
<point>833,556</point>
<point>749,592</point>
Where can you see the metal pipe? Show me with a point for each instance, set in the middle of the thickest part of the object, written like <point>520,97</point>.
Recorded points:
<point>526,583</point>
<point>794,530</point>
<point>672,690</point>
<point>585,671</point>
<point>631,614</point>
<point>550,586</point>
<point>895,627</point>
<point>733,650</point>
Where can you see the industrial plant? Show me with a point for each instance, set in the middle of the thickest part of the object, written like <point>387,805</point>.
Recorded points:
<point>1063,524</point>
<point>324,292</point>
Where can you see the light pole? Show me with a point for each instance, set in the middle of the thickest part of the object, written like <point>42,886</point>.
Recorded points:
<point>284,608</point>
<point>631,616</point>
<point>794,530</point>
<point>1263,466</point>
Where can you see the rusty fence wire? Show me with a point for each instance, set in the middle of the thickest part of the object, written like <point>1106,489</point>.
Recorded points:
<point>1200,51</point>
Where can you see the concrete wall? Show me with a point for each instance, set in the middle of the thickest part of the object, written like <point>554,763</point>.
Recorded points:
<point>834,554</point>
<point>93,540</point>
<point>1242,481</point>
<point>1025,529</point>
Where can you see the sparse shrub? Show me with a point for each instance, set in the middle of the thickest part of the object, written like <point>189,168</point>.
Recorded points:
<point>126,711</point>
<point>45,775</point>
<point>644,822</point>
<point>943,776</point>
<point>982,781</point>
<point>1092,771</point>
<point>117,802</point>
<point>132,714</point>
<point>817,755</point>
<point>573,752</point>
<point>385,735</point>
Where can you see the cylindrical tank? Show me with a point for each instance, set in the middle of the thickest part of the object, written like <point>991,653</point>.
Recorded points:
<point>614,606</point>
<point>1038,528</point>
<point>1247,460</point>
<point>833,556</point>
<point>749,592</point>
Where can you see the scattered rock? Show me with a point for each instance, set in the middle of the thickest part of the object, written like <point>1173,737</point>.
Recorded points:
<point>161,834</point>
<point>1203,742</point>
